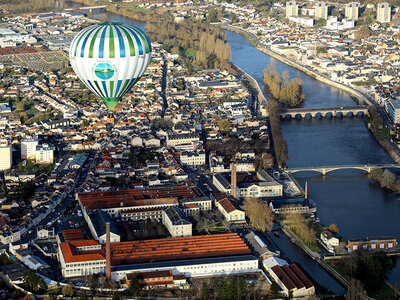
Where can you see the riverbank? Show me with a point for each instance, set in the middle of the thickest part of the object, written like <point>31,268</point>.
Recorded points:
<point>361,98</point>
<point>357,95</point>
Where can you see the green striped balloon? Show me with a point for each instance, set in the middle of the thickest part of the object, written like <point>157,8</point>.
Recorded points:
<point>110,58</point>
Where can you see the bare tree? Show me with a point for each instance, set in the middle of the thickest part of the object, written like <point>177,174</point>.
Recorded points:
<point>355,290</point>
<point>388,179</point>
<point>299,224</point>
<point>259,213</point>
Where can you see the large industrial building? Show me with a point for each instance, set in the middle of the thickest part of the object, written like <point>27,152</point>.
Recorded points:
<point>191,256</point>
<point>141,204</point>
<point>242,185</point>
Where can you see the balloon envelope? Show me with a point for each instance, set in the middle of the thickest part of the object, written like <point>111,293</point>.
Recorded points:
<point>110,58</point>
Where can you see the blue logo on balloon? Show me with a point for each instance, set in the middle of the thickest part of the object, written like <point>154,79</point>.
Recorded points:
<point>104,71</point>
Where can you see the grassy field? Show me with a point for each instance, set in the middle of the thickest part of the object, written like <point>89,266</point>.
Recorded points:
<point>36,168</point>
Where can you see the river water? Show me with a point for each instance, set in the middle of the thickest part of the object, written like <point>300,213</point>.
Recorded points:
<point>359,208</point>
<point>347,198</point>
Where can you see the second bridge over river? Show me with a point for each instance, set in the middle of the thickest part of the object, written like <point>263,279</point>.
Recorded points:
<point>325,111</point>
<point>326,169</point>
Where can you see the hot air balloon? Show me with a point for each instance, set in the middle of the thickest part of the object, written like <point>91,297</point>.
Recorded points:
<point>110,58</point>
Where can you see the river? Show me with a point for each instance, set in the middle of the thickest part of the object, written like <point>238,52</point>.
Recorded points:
<point>359,208</point>
<point>347,198</point>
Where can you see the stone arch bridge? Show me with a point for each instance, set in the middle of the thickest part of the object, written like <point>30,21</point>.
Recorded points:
<point>326,169</point>
<point>324,111</point>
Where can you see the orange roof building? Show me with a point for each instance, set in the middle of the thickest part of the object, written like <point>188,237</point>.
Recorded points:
<point>118,203</point>
<point>86,257</point>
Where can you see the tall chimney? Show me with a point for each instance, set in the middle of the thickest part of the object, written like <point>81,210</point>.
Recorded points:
<point>108,252</point>
<point>305,192</point>
<point>233,180</point>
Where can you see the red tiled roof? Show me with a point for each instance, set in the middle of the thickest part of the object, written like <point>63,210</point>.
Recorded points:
<point>137,197</point>
<point>71,255</point>
<point>190,205</point>
<point>159,249</point>
<point>227,205</point>
<point>150,275</point>
<point>127,211</point>
<point>72,234</point>
<point>292,277</point>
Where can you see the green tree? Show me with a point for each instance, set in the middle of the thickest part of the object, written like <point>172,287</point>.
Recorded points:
<point>290,295</point>
<point>4,260</point>
<point>369,269</point>
<point>205,291</point>
<point>50,297</point>
<point>166,123</point>
<point>274,289</point>
<point>68,291</point>
<point>212,15</point>
<point>134,286</point>
<point>84,295</point>
<point>223,290</point>
<point>224,125</point>
<point>239,287</point>
<point>42,285</point>
<point>30,280</point>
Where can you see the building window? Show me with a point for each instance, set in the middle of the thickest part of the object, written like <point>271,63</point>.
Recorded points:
<point>354,247</point>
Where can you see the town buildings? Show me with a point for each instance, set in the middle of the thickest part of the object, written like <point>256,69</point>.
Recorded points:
<point>5,155</point>
<point>28,148</point>
<point>372,244</point>
<point>351,10</point>
<point>321,10</point>
<point>192,256</point>
<point>383,12</point>
<point>329,240</point>
<point>393,109</point>
<point>290,278</point>
<point>44,154</point>
<point>125,202</point>
<point>259,184</point>
<point>231,211</point>
<point>175,220</point>
<point>292,9</point>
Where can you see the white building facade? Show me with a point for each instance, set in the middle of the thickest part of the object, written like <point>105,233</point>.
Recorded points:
<point>44,154</point>
<point>28,148</point>
<point>5,155</point>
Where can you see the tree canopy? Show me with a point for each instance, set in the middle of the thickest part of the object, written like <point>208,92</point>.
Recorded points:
<point>259,213</point>
<point>289,92</point>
